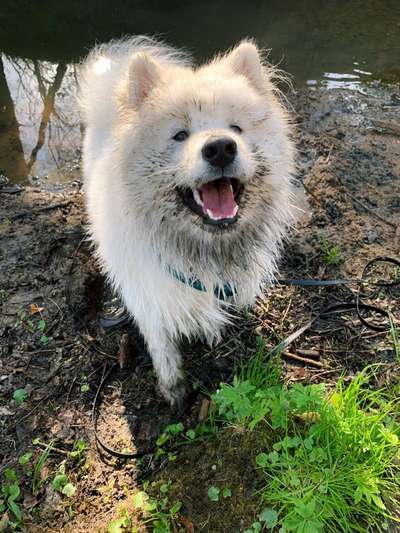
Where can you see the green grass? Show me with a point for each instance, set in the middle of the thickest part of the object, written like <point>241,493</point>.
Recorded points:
<point>395,339</point>
<point>334,465</point>
<point>332,255</point>
<point>29,477</point>
<point>157,513</point>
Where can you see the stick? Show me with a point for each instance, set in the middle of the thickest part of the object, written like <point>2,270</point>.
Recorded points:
<point>376,215</point>
<point>24,214</point>
<point>304,360</point>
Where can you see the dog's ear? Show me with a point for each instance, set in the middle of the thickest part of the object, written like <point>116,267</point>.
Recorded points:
<point>245,60</point>
<point>144,74</point>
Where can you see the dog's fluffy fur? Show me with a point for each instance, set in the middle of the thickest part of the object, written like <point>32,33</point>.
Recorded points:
<point>135,95</point>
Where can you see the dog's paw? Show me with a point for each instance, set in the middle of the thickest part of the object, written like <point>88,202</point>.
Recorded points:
<point>174,393</point>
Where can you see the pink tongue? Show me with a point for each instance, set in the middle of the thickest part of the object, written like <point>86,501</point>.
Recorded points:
<point>218,198</point>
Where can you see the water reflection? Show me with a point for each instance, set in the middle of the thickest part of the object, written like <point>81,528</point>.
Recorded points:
<point>336,44</point>
<point>37,110</point>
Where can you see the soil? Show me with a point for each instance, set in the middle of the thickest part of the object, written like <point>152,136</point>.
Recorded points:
<point>53,346</point>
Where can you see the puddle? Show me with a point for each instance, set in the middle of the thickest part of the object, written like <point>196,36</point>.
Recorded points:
<point>319,44</point>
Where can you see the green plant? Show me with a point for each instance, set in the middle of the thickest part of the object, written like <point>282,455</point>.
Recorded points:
<point>334,465</point>
<point>78,450</point>
<point>25,458</point>
<point>62,484</point>
<point>37,480</point>
<point>213,494</point>
<point>159,513</point>
<point>267,519</point>
<point>395,338</point>
<point>332,255</point>
<point>119,525</point>
<point>10,490</point>
<point>41,327</point>
<point>4,295</point>
<point>25,321</point>
<point>20,396</point>
<point>167,436</point>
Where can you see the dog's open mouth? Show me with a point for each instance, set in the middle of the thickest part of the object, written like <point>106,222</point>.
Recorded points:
<point>217,201</point>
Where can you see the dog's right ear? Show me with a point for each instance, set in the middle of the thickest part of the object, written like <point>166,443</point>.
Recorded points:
<point>144,74</point>
<point>245,60</point>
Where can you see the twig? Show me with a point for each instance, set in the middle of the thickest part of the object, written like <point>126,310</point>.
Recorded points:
<point>304,360</point>
<point>390,127</point>
<point>70,388</point>
<point>309,353</point>
<point>24,214</point>
<point>371,211</point>
<point>53,450</point>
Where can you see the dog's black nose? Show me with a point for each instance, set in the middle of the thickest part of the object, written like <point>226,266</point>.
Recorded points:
<point>220,153</point>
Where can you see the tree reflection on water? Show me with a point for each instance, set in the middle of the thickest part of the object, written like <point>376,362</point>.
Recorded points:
<point>39,122</point>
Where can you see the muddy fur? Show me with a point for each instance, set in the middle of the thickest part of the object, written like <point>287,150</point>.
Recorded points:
<point>135,96</point>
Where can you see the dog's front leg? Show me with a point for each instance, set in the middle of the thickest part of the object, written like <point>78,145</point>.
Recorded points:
<point>167,362</point>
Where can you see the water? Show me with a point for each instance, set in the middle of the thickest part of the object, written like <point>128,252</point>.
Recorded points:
<point>335,43</point>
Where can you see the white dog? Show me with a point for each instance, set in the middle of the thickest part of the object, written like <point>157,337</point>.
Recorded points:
<point>187,179</point>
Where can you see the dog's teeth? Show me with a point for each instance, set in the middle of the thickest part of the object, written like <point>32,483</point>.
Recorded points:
<point>197,197</point>
<point>210,214</point>
<point>235,210</point>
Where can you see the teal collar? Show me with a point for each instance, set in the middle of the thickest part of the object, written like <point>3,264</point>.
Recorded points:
<point>223,293</point>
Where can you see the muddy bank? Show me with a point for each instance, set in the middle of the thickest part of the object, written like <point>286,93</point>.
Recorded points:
<point>51,296</point>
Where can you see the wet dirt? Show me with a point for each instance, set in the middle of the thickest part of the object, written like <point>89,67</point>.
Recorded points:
<point>53,346</point>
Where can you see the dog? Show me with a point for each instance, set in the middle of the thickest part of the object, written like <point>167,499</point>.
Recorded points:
<point>187,178</point>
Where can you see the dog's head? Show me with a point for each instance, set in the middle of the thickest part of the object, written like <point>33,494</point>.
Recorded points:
<point>206,150</point>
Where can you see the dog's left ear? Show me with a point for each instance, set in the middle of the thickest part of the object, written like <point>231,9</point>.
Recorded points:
<point>144,75</point>
<point>245,60</point>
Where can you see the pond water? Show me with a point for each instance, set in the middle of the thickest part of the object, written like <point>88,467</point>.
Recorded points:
<point>335,43</point>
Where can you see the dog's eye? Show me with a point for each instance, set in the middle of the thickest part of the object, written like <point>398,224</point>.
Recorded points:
<point>235,128</point>
<point>181,136</point>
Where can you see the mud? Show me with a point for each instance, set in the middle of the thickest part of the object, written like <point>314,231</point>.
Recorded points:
<point>52,294</point>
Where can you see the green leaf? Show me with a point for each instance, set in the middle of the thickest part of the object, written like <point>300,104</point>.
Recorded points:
<point>25,458</point>
<point>44,339</point>
<point>10,474</point>
<point>19,396</point>
<point>13,492</point>
<point>191,434</point>
<point>378,502</point>
<point>69,490</point>
<point>79,447</point>
<point>270,517</point>
<point>358,495</point>
<point>306,510</point>
<point>262,460</point>
<point>59,481</point>
<point>85,387</point>
<point>41,325</point>
<point>213,493</point>
<point>162,439</point>
<point>140,500</point>
<point>164,488</point>
<point>16,510</point>
<point>161,528</point>
<point>175,508</point>
<point>174,429</point>
<point>226,493</point>
<point>118,525</point>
